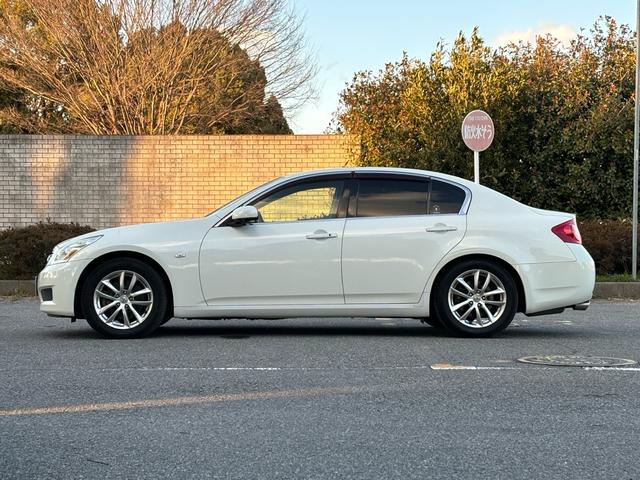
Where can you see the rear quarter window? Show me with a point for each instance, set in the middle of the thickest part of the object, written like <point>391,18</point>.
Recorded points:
<point>445,198</point>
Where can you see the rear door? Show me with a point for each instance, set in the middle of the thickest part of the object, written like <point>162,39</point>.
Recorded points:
<point>398,229</point>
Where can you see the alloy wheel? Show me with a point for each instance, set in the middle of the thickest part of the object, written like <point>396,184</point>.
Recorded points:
<point>123,299</point>
<point>477,298</point>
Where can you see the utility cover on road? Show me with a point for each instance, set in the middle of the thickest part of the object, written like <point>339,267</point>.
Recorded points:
<point>577,361</point>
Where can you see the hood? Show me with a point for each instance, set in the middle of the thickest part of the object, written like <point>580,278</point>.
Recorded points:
<point>163,229</point>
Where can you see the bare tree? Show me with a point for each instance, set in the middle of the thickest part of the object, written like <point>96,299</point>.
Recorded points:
<point>151,66</point>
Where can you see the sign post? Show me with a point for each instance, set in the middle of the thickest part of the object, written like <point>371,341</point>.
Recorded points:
<point>477,134</point>
<point>636,154</point>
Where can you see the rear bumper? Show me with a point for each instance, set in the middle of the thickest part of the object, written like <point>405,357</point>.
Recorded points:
<point>556,285</point>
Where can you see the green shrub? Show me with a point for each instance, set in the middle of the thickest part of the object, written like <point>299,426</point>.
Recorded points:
<point>563,116</point>
<point>609,243</point>
<point>24,251</point>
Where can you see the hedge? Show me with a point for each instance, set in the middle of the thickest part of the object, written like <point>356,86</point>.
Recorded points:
<point>609,243</point>
<point>24,251</point>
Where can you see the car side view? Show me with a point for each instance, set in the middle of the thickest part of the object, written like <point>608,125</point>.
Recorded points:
<point>366,242</point>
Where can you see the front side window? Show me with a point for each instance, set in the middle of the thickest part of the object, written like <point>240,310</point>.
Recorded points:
<point>384,197</point>
<point>307,201</point>
<point>445,198</point>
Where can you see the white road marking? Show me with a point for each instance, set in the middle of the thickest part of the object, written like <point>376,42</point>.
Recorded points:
<point>444,366</point>
<point>619,369</point>
<point>224,369</point>
<point>436,366</point>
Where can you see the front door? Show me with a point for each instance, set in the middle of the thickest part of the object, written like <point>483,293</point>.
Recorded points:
<point>291,256</point>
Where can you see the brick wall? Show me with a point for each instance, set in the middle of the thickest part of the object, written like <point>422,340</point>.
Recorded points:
<point>107,181</point>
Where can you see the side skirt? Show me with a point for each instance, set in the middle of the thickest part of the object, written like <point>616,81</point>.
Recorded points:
<point>295,311</point>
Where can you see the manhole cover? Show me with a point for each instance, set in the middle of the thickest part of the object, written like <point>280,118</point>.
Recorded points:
<point>577,361</point>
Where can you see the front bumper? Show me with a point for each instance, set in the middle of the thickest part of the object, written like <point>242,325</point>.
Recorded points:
<point>62,280</point>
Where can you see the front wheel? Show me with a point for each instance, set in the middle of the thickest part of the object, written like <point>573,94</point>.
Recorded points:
<point>124,298</point>
<point>476,298</point>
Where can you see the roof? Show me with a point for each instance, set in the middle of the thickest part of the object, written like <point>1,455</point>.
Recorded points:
<point>409,171</point>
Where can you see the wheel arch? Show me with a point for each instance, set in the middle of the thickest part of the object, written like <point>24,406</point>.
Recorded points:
<point>522,299</point>
<point>77,303</point>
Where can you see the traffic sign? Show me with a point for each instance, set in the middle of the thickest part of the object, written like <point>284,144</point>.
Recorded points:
<point>477,133</point>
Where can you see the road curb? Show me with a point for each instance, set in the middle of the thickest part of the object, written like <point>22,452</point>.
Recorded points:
<point>603,290</point>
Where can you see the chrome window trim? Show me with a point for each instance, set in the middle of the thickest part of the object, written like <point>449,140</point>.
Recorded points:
<point>310,175</point>
<point>464,208</point>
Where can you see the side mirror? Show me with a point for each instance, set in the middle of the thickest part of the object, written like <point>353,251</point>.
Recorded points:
<point>244,215</point>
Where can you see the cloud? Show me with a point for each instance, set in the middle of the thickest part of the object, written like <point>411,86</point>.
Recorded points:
<point>564,33</point>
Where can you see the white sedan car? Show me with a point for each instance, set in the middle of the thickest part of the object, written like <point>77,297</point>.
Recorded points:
<point>365,242</point>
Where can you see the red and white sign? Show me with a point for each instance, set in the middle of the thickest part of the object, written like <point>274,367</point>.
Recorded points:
<point>477,130</point>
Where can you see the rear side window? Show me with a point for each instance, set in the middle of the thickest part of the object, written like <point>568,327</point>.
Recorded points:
<point>445,198</point>
<point>379,197</point>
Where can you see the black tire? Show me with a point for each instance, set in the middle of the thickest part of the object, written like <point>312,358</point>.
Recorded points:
<point>432,322</point>
<point>157,313</point>
<point>461,328</point>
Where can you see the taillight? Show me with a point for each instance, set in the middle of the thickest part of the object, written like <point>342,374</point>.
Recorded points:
<point>568,232</point>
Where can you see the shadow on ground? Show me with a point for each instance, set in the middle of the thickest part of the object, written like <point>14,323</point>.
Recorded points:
<point>182,329</point>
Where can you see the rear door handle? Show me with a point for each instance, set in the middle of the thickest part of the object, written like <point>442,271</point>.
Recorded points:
<point>441,227</point>
<point>321,235</point>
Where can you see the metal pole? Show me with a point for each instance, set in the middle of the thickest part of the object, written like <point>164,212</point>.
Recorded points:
<point>476,163</point>
<point>636,149</point>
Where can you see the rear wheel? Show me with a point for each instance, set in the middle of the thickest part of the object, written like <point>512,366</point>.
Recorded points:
<point>432,322</point>
<point>476,298</point>
<point>124,298</point>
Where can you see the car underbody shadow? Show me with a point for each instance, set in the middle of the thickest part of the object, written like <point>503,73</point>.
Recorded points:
<point>276,328</point>
<point>239,329</point>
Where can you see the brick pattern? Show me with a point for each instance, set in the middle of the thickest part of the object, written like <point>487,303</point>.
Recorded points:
<point>106,181</point>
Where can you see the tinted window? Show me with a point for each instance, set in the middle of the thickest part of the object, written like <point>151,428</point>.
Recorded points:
<point>308,201</point>
<point>388,197</point>
<point>445,198</point>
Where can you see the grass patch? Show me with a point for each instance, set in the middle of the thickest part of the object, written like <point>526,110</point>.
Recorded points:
<point>617,277</point>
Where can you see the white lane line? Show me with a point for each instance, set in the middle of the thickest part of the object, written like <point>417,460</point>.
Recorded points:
<point>618,369</point>
<point>437,366</point>
<point>277,369</point>
<point>541,367</point>
<point>224,369</point>
<point>469,367</point>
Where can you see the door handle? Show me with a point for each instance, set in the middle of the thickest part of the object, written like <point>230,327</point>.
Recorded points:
<point>321,235</point>
<point>441,227</point>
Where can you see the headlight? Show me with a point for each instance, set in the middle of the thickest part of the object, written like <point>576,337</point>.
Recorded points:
<point>66,250</point>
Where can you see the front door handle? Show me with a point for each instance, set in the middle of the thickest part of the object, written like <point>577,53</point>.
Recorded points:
<point>321,235</point>
<point>441,227</point>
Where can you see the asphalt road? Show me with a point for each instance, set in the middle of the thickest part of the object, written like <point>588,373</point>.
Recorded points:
<point>309,398</point>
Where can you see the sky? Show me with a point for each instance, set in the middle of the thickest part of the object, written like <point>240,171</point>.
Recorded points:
<point>353,35</point>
